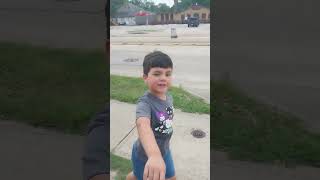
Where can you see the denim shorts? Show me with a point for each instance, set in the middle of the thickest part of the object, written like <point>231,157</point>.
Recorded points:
<point>138,165</point>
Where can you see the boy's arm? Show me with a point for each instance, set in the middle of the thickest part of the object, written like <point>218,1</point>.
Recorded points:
<point>155,166</point>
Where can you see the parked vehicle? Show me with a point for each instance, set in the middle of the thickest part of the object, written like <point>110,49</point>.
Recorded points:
<point>193,21</point>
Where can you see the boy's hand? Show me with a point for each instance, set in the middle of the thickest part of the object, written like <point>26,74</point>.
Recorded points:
<point>155,168</point>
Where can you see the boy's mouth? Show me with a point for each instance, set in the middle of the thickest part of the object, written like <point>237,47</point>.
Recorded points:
<point>162,85</point>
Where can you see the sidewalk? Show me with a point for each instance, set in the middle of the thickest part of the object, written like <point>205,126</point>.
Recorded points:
<point>165,40</point>
<point>160,35</point>
<point>191,155</point>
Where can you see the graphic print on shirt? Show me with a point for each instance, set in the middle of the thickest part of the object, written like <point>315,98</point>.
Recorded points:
<point>165,121</point>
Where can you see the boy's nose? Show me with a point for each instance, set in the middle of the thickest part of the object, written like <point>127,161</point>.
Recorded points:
<point>163,77</point>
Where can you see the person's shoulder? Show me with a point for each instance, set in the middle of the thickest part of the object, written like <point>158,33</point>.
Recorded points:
<point>145,98</point>
<point>169,97</point>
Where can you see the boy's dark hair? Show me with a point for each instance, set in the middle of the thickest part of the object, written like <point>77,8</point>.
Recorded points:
<point>156,59</point>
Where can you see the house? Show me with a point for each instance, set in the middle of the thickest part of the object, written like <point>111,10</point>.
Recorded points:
<point>178,15</point>
<point>145,18</point>
<point>125,15</point>
<point>130,14</point>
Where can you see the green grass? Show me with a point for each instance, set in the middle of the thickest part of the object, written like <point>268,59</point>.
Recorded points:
<point>250,130</point>
<point>53,88</point>
<point>63,88</point>
<point>129,89</point>
<point>121,165</point>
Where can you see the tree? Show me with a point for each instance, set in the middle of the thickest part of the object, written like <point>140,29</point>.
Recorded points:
<point>150,6</point>
<point>162,7</point>
<point>187,3</point>
<point>139,3</point>
<point>115,5</point>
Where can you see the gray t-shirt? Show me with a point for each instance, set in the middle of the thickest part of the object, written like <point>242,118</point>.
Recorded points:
<point>160,112</point>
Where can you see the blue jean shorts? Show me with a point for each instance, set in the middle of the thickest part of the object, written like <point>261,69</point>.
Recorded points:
<point>138,165</point>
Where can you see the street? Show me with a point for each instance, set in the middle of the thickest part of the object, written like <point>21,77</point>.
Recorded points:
<point>190,56</point>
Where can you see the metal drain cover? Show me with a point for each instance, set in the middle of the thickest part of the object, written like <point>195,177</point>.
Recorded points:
<point>197,133</point>
<point>131,60</point>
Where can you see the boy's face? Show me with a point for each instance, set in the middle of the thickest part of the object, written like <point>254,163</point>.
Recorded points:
<point>158,80</point>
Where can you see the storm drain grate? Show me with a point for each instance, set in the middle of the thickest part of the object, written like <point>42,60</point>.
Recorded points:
<point>197,133</point>
<point>131,60</point>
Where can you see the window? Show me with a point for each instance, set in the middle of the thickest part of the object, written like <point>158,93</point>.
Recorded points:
<point>203,16</point>
<point>182,17</point>
<point>167,17</point>
<point>171,17</point>
<point>196,15</point>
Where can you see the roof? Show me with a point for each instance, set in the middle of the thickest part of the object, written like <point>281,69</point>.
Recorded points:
<point>129,10</point>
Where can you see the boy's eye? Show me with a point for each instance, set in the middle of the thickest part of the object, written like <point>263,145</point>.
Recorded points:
<point>168,74</point>
<point>156,74</point>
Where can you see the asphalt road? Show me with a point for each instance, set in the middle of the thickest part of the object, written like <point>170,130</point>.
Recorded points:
<point>191,65</point>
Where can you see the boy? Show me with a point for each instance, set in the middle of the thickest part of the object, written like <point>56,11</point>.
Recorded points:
<point>151,156</point>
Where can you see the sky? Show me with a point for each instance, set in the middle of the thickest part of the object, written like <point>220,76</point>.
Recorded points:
<point>168,2</point>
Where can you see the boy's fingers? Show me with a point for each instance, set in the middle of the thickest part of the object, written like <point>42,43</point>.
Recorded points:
<point>156,175</point>
<point>145,173</point>
<point>162,175</point>
<point>150,174</point>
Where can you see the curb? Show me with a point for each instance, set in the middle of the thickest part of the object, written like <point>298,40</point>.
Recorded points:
<point>195,94</point>
<point>160,44</point>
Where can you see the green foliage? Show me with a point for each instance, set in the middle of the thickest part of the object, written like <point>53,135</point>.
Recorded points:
<point>129,89</point>
<point>115,5</point>
<point>151,6</point>
<point>162,7</point>
<point>187,3</point>
<point>121,165</point>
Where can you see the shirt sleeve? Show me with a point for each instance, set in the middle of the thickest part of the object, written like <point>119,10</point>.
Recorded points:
<point>96,157</point>
<point>143,110</point>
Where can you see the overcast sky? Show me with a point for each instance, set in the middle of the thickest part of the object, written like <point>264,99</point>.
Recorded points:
<point>168,2</point>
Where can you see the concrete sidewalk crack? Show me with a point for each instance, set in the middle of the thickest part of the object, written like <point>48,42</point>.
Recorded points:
<point>113,149</point>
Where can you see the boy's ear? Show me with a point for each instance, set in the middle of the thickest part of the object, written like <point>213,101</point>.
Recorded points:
<point>145,77</point>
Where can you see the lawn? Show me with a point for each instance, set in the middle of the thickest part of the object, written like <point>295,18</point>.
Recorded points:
<point>121,166</point>
<point>64,88</point>
<point>129,89</point>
